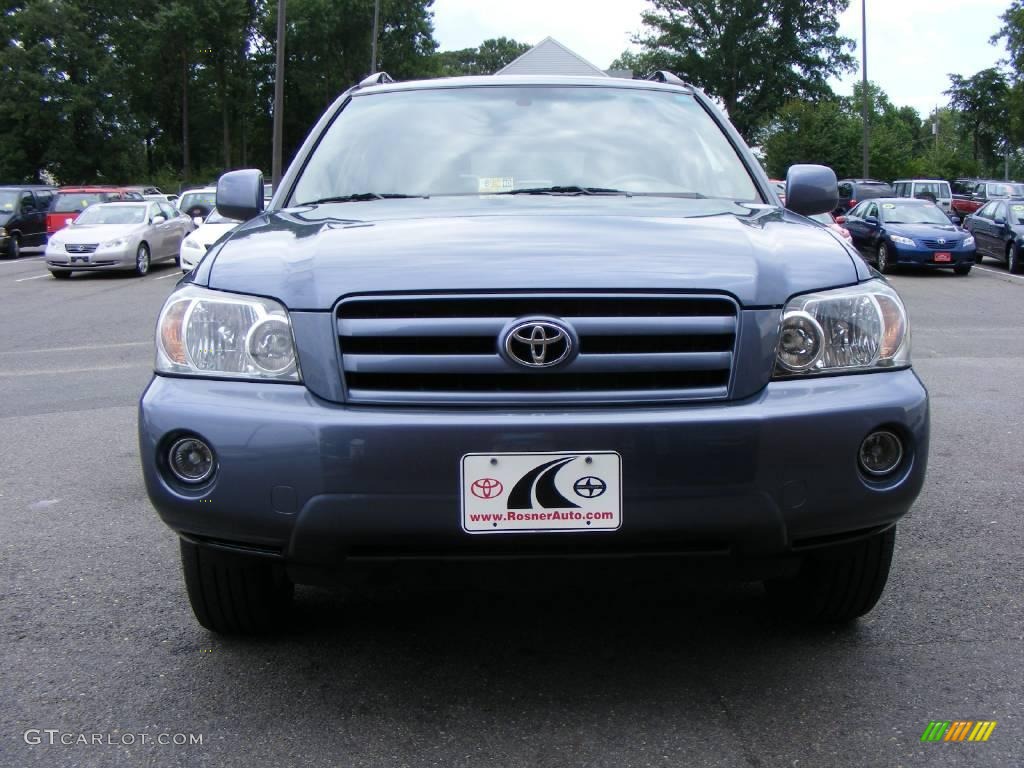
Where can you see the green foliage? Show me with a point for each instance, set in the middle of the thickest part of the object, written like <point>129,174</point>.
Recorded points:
<point>486,59</point>
<point>753,55</point>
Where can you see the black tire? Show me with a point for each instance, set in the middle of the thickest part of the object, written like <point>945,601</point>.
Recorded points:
<point>235,594</point>
<point>60,274</point>
<point>839,584</point>
<point>13,247</point>
<point>882,259</point>
<point>142,260</point>
<point>963,269</point>
<point>1013,264</point>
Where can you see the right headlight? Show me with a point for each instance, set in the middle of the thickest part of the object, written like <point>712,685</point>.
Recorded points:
<point>860,328</point>
<point>209,333</point>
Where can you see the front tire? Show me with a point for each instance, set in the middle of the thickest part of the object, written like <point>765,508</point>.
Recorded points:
<point>1013,264</point>
<point>61,274</point>
<point>839,584</point>
<point>142,260</point>
<point>235,594</point>
<point>14,247</point>
<point>882,259</point>
<point>963,269</point>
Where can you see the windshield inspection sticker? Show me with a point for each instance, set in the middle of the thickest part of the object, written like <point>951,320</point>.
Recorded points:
<point>1017,207</point>
<point>888,206</point>
<point>488,185</point>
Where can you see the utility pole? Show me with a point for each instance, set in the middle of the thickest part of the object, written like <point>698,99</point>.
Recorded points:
<point>864,81</point>
<point>275,170</point>
<point>376,31</point>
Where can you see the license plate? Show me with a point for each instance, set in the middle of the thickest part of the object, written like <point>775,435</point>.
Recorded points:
<point>541,492</point>
<point>82,259</point>
<point>943,256</point>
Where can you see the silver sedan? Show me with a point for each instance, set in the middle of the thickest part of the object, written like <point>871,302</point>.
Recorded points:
<point>118,236</point>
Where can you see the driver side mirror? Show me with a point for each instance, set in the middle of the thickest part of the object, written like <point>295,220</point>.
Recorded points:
<point>999,220</point>
<point>872,220</point>
<point>240,194</point>
<point>811,189</point>
<point>159,219</point>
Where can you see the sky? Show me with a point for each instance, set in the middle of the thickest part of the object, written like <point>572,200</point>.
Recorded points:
<point>912,44</point>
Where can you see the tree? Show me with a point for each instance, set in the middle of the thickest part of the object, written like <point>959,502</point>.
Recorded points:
<point>486,59</point>
<point>982,101</point>
<point>753,55</point>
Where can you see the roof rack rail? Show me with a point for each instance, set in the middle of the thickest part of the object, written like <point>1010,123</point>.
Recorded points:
<point>664,76</point>
<point>377,78</point>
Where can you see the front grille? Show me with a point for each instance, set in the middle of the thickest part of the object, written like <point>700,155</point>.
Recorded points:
<point>80,247</point>
<point>941,246</point>
<point>445,349</point>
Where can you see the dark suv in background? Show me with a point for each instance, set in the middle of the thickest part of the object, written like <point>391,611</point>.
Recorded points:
<point>853,191</point>
<point>477,323</point>
<point>23,217</point>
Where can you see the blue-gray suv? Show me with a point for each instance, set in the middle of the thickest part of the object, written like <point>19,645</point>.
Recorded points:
<point>530,317</point>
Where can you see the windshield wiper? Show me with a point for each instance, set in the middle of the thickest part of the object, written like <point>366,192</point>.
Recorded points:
<point>360,197</point>
<point>571,189</point>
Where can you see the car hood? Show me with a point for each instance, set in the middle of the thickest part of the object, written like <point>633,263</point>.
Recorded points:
<point>208,234</point>
<point>96,233</point>
<point>949,231</point>
<point>310,257</point>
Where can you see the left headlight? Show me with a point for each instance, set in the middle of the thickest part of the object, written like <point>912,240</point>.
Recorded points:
<point>860,328</point>
<point>208,333</point>
<point>3,232</point>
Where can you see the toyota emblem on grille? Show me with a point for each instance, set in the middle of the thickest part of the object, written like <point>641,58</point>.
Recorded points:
<point>942,241</point>
<point>538,343</point>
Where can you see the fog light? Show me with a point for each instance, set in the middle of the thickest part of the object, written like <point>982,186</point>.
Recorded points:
<point>191,460</point>
<point>880,453</point>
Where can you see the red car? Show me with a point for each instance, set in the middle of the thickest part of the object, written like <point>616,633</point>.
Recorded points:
<point>71,201</point>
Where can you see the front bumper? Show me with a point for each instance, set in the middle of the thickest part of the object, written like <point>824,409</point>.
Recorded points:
<point>925,257</point>
<point>100,259</point>
<point>316,482</point>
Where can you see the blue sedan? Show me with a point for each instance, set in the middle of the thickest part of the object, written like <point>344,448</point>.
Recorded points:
<point>902,231</point>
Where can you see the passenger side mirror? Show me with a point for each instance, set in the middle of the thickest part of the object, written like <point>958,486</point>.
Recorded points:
<point>240,194</point>
<point>1000,220</point>
<point>159,219</point>
<point>811,189</point>
<point>872,220</point>
<point>197,220</point>
<point>955,219</point>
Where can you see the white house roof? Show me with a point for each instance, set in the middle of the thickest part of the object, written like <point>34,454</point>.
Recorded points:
<point>550,57</point>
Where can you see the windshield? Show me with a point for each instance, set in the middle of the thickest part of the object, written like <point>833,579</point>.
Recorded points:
<point>823,218</point>
<point>8,200</point>
<point>200,199</point>
<point>113,214</point>
<point>217,218</point>
<point>486,140</point>
<point>73,202</point>
<point>1006,190</point>
<point>902,213</point>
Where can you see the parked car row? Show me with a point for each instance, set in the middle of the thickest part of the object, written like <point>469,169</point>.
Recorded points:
<point>959,199</point>
<point>30,214</point>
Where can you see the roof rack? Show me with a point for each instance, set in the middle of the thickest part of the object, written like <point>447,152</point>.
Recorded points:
<point>377,78</point>
<point>664,76</point>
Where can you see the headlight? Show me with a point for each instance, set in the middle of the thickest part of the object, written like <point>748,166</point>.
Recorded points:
<point>902,240</point>
<point>3,232</point>
<point>968,242</point>
<point>192,244</point>
<point>860,328</point>
<point>209,333</point>
<point>116,243</point>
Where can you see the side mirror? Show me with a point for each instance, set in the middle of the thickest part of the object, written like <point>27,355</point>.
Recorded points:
<point>955,219</point>
<point>872,220</point>
<point>197,220</point>
<point>240,194</point>
<point>811,189</point>
<point>1000,220</point>
<point>840,219</point>
<point>159,219</point>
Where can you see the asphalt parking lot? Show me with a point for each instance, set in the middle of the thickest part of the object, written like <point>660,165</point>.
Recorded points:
<point>608,665</point>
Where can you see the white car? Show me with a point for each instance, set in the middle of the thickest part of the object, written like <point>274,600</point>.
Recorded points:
<point>117,236</point>
<point>198,203</point>
<point>195,246</point>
